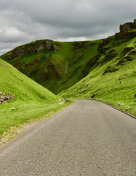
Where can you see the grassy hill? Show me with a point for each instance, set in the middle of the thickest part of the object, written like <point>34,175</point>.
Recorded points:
<point>55,65</point>
<point>102,69</point>
<point>59,65</point>
<point>113,78</point>
<point>27,99</point>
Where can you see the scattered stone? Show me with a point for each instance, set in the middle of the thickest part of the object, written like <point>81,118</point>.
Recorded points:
<point>13,108</point>
<point>121,104</point>
<point>128,108</point>
<point>4,98</point>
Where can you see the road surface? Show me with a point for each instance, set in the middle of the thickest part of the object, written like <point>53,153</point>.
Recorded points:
<point>86,139</point>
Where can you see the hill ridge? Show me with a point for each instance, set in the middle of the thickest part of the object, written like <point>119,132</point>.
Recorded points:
<point>59,65</point>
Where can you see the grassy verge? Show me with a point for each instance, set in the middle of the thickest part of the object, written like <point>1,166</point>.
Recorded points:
<point>29,100</point>
<point>23,113</point>
<point>13,116</point>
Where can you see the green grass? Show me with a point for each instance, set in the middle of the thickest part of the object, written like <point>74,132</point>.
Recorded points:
<point>30,100</point>
<point>115,88</point>
<point>100,69</point>
<point>59,68</point>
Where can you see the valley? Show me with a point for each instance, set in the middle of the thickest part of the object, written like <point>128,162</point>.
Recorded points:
<point>102,70</point>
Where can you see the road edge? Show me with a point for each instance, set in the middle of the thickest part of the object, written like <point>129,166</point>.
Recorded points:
<point>134,117</point>
<point>34,126</point>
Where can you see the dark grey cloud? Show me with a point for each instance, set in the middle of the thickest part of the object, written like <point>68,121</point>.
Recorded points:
<point>23,21</point>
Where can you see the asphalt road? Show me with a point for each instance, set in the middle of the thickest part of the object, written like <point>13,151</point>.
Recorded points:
<point>86,139</point>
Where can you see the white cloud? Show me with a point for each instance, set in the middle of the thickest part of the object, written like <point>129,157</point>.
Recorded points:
<point>12,31</point>
<point>23,21</point>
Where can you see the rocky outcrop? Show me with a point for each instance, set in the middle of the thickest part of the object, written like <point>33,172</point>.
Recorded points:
<point>132,52</point>
<point>109,56</point>
<point>80,45</point>
<point>34,47</point>
<point>124,60</point>
<point>127,30</point>
<point>91,62</point>
<point>4,98</point>
<point>110,69</point>
<point>127,49</point>
<point>102,46</point>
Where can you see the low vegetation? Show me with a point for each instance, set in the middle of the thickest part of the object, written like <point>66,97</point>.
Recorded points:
<point>112,82</point>
<point>22,99</point>
<point>103,70</point>
<point>57,67</point>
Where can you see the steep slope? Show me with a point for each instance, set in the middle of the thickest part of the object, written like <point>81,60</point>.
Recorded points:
<point>21,87</point>
<point>55,65</point>
<point>104,68</point>
<point>113,79</point>
<point>59,65</point>
<point>22,99</point>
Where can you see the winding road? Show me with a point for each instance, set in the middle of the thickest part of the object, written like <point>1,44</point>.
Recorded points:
<point>86,139</point>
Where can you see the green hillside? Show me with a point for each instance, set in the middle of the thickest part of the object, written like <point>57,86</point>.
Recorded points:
<point>59,65</point>
<point>55,65</point>
<point>113,78</point>
<point>27,99</point>
<point>103,69</point>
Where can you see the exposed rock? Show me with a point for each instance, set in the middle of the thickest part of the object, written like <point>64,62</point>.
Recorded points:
<point>80,45</point>
<point>110,69</point>
<point>92,61</point>
<point>121,104</point>
<point>127,30</point>
<point>128,108</point>
<point>4,98</point>
<point>127,49</point>
<point>124,60</point>
<point>101,46</point>
<point>125,27</point>
<point>34,47</point>
<point>111,54</point>
<point>132,52</point>
<point>13,108</point>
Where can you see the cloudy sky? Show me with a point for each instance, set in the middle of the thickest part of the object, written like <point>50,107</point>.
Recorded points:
<point>24,21</point>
